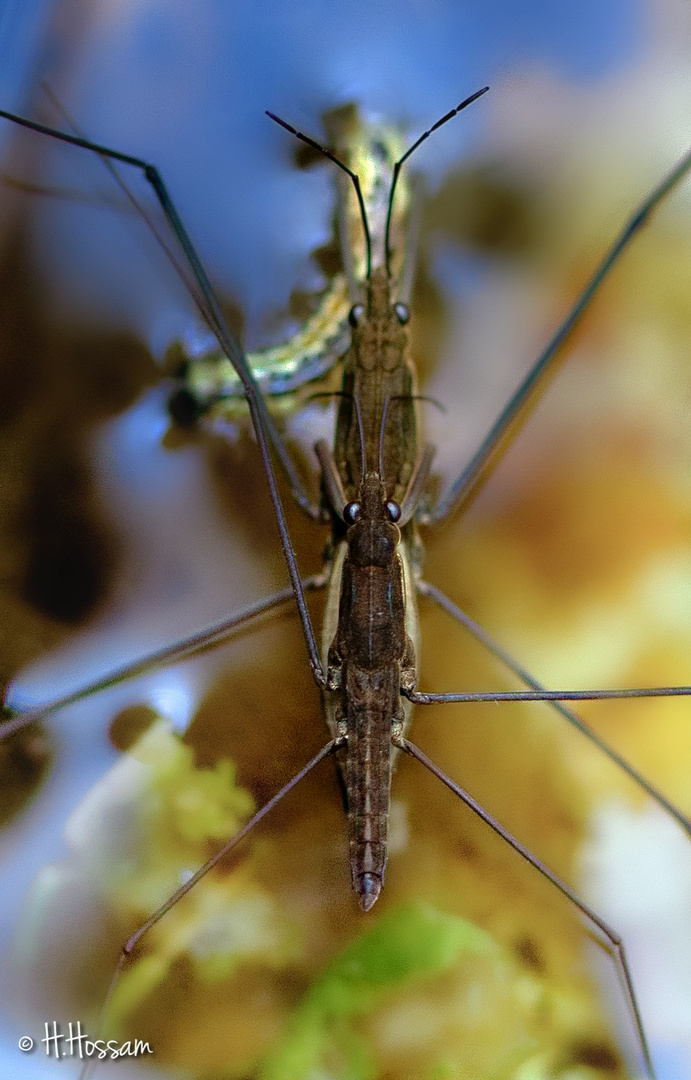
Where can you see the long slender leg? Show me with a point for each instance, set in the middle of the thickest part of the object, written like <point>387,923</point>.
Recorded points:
<point>263,424</point>
<point>608,938</point>
<point>481,635</point>
<point>134,203</point>
<point>421,698</point>
<point>173,257</point>
<point>493,443</point>
<point>136,937</point>
<point>186,647</point>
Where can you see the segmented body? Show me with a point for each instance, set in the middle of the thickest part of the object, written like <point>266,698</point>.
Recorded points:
<point>371,636</point>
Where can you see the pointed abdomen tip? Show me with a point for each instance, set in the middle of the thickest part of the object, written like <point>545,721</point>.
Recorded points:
<point>367,887</point>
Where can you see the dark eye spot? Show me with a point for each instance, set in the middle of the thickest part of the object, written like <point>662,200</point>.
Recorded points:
<point>402,313</point>
<point>393,510</point>
<point>184,408</point>
<point>356,315</point>
<point>352,512</point>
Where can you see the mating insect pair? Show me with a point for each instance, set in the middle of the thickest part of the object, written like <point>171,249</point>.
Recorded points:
<point>374,483</point>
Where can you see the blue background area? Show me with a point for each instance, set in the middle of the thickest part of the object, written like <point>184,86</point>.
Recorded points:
<point>186,85</point>
<point>580,41</point>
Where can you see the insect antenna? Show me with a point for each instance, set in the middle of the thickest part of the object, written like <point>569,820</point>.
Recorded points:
<point>337,161</point>
<point>429,399</point>
<point>358,417</point>
<point>361,435</point>
<point>397,167</point>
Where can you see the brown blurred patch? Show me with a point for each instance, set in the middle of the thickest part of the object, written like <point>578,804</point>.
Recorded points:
<point>58,548</point>
<point>489,209</point>
<point>56,545</point>
<point>25,759</point>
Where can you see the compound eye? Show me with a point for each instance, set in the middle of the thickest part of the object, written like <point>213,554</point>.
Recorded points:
<point>352,512</point>
<point>356,315</point>
<point>393,510</point>
<point>402,313</point>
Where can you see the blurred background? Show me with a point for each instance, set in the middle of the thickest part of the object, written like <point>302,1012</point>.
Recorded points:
<point>118,536</point>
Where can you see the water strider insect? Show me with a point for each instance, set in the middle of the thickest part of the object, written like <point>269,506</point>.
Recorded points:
<point>208,386</point>
<point>389,459</point>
